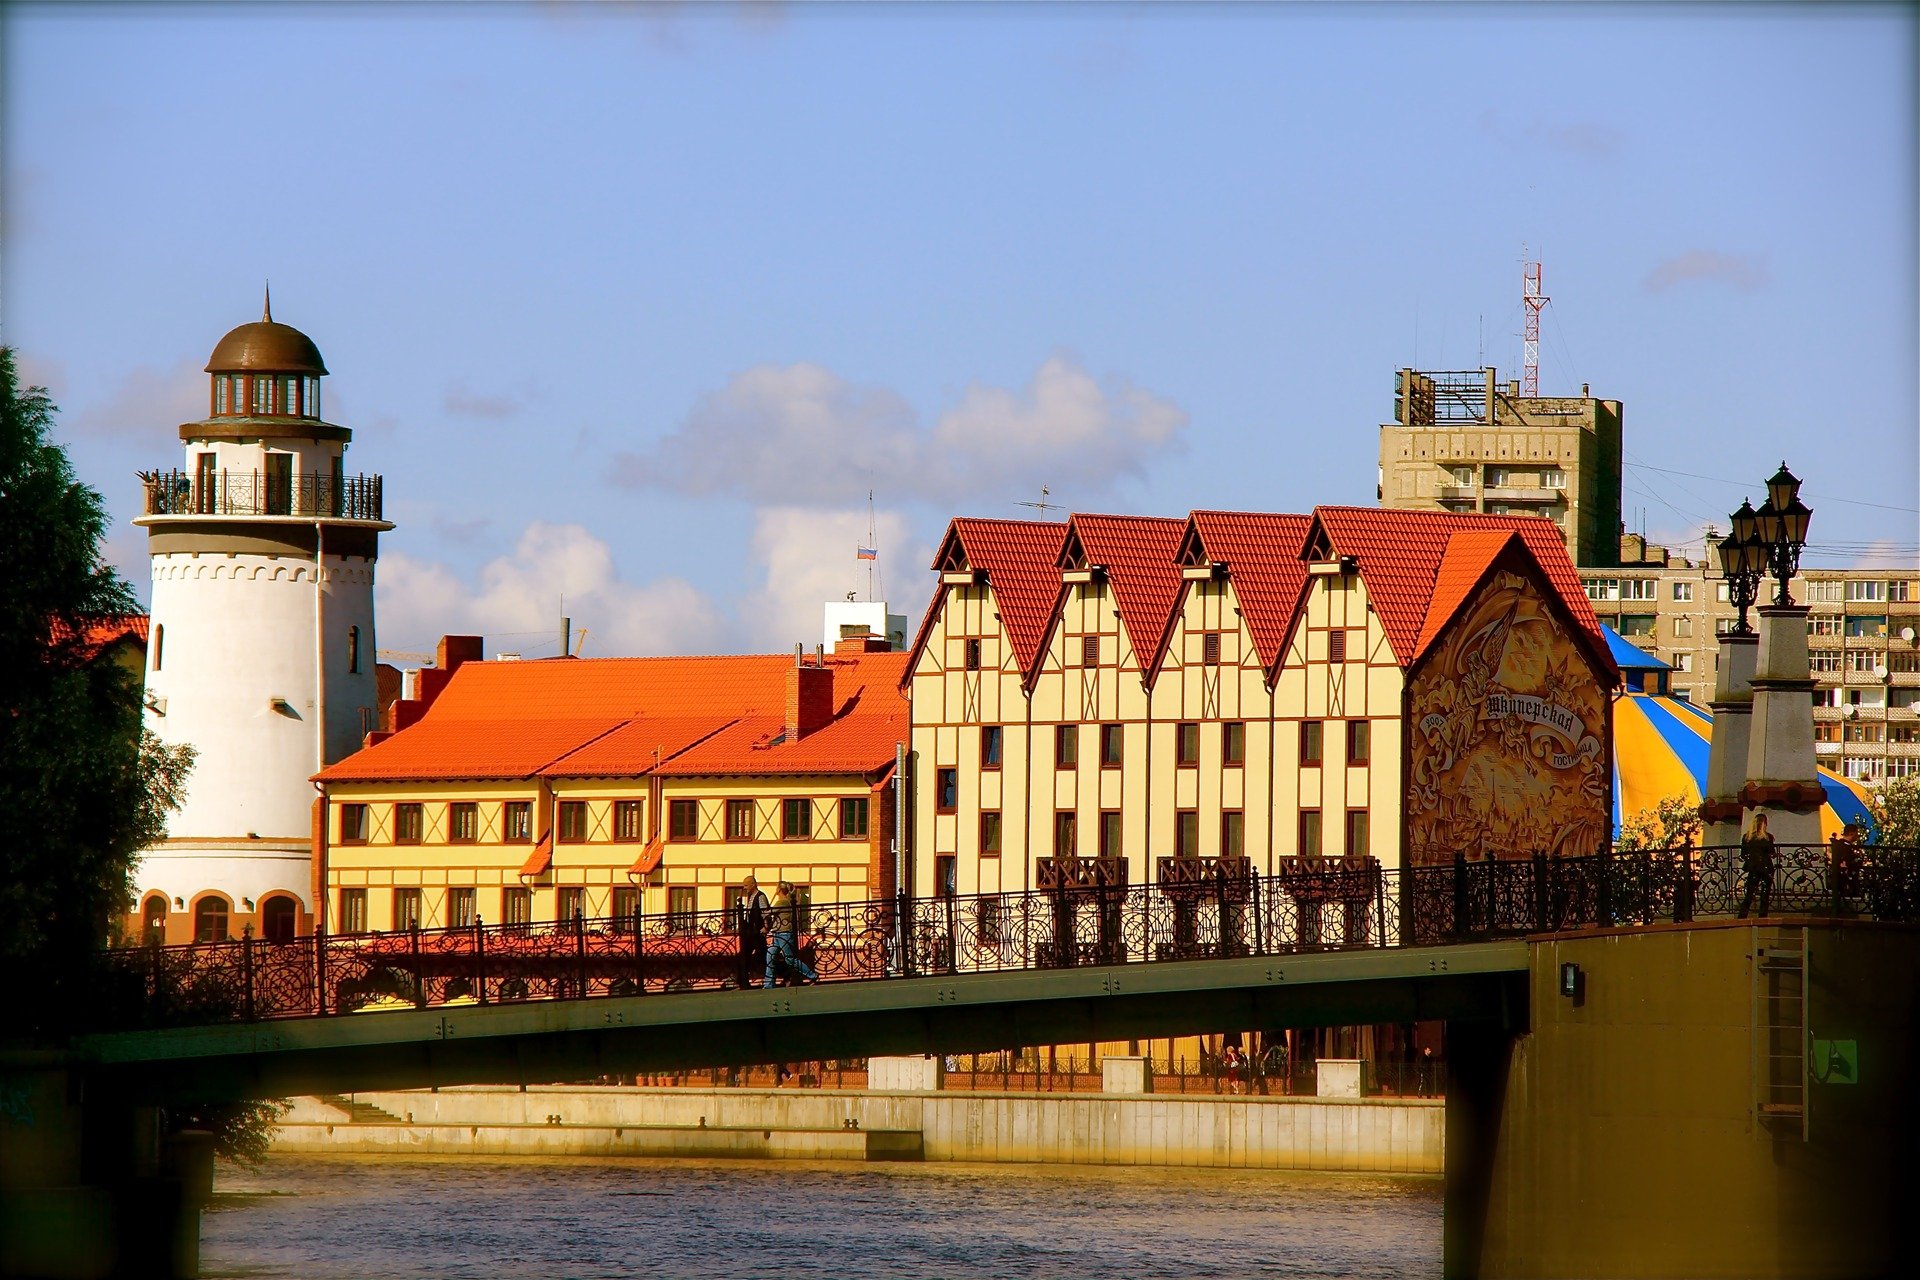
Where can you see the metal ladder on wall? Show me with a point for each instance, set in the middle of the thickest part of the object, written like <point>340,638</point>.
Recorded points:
<point>1779,1023</point>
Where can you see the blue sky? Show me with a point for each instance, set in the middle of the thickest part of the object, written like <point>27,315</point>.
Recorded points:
<point>631,306</point>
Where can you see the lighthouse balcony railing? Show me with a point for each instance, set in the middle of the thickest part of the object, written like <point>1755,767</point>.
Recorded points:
<point>262,493</point>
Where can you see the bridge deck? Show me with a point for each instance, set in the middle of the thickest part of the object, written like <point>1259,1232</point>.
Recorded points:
<point>558,1040</point>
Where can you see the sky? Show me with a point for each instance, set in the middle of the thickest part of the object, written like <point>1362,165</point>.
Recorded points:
<point>633,306</point>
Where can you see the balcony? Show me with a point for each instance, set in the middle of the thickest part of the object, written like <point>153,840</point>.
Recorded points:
<point>1526,493</point>
<point>310,494</point>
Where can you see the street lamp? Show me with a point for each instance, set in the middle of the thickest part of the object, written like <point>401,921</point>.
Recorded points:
<point>1743,558</point>
<point>1783,523</point>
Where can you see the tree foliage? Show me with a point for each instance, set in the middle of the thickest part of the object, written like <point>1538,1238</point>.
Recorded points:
<point>82,787</point>
<point>1895,806</point>
<point>1672,822</point>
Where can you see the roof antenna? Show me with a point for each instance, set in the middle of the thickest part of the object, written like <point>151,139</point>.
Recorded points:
<point>1042,506</point>
<point>266,308</point>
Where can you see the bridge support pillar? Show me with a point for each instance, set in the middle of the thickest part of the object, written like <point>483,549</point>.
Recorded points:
<point>82,1193</point>
<point>1722,1099</point>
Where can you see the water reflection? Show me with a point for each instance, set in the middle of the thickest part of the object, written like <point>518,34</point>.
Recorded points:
<point>317,1219</point>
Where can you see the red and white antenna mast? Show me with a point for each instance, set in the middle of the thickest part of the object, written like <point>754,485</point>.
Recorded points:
<point>1530,354</point>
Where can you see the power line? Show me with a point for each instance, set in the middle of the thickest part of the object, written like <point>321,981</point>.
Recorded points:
<point>1748,484</point>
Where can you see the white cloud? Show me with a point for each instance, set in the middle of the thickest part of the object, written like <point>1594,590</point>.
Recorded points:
<point>472,404</point>
<point>803,435</point>
<point>519,598</point>
<point>147,402</point>
<point>809,559</point>
<point>1745,272</point>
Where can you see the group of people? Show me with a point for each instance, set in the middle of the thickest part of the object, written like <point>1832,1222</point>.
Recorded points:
<point>766,930</point>
<point>1845,861</point>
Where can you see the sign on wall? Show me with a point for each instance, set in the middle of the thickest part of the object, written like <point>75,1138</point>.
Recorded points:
<point>1507,726</point>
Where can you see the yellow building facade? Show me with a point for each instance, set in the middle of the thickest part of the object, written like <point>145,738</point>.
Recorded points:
<point>1121,698</point>
<point>538,791</point>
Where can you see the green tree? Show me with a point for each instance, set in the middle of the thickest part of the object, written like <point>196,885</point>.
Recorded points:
<point>82,786</point>
<point>1895,807</point>
<point>1672,822</point>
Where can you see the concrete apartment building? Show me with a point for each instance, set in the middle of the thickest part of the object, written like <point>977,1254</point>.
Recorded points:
<point>1462,441</point>
<point>1863,640</point>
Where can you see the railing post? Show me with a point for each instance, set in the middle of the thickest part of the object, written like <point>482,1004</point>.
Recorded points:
<point>1603,891</point>
<point>479,959</point>
<point>1379,875</point>
<point>1683,891</point>
<point>1259,917</point>
<point>580,951</point>
<point>246,967</point>
<point>320,1002</point>
<point>1539,892</point>
<point>639,952</point>
<point>419,981</point>
<point>903,930</point>
<point>1462,902</point>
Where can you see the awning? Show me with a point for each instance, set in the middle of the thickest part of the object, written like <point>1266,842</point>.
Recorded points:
<point>540,859</point>
<point>649,857</point>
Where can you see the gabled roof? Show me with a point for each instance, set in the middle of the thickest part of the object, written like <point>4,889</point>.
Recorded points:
<point>1261,551</point>
<point>1138,554</point>
<point>102,631</point>
<point>1470,553</point>
<point>1019,558</point>
<point>606,717</point>
<point>1399,554</point>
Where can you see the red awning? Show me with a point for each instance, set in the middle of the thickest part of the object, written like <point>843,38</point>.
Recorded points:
<point>649,858</point>
<point>540,859</point>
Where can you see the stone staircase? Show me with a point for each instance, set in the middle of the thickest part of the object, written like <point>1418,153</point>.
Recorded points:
<point>359,1112</point>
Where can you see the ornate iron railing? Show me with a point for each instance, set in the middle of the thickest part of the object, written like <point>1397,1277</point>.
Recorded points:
<point>1307,906</point>
<point>262,493</point>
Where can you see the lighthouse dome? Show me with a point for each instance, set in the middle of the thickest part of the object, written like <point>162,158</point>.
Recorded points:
<point>266,346</point>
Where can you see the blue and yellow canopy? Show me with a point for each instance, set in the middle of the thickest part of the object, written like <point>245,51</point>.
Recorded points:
<point>1660,750</point>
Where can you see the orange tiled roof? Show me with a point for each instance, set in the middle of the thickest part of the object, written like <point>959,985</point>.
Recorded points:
<point>1262,553</point>
<point>1470,553</point>
<point>540,859</point>
<point>1020,559</point>
<point>1400,552</point>
<point>597,717</point>
<point>103,631</point>
<point>1138,553</point>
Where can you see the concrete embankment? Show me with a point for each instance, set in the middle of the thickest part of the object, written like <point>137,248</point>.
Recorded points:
<point>1351,1135</point>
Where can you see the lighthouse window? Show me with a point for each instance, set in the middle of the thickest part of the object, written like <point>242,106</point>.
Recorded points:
<point>291,404</point>
<point>219,395</point>
<point>159,645</point>
<point>353,650</point>
<point>263,395</point>
<point>311,405</point>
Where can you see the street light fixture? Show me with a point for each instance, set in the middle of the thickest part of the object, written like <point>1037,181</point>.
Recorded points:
<point>1769,540</point>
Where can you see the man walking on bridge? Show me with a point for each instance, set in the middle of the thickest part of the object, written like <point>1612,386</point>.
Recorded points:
<point>750,923</point>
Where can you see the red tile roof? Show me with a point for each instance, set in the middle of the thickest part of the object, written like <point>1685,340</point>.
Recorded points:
<point>1020,559</point>
<point>1262,553</point>
<point>102,632</point>
<point>600,717</point>
<point>1399,554</point>
<point>1470,553</point>
<point>1138,553</point>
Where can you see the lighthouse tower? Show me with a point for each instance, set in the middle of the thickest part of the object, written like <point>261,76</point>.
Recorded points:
<point>261,650</point>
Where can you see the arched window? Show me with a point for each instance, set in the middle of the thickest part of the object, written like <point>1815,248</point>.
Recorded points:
<point>277,917</point>
<point>153,919</point>
<point>159,644</point>
<point>210,918</point>
<point>353,650</point>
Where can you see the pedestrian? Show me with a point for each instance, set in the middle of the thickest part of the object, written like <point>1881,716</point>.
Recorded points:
<point>780,948</point>
<point>1236,1065</point>
<point>1756,857</point>
<point>750,922</point>
<point>1843,853</point>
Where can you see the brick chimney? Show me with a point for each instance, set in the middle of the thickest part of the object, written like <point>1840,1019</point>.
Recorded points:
<point>809,696</point>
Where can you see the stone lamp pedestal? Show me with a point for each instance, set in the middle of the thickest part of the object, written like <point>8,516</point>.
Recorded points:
<point>1781,776</point>
<point>1732,706</point>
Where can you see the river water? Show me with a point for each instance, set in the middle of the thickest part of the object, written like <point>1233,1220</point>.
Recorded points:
<point>358,1219</point>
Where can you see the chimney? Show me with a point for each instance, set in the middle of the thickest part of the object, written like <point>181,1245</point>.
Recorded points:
<point>809,699</point>
<point>455,650</point>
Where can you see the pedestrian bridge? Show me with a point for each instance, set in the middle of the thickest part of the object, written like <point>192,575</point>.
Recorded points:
<point>1084,958</point>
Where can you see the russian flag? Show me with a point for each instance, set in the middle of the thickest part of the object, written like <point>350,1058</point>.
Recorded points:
<point>866,553</point>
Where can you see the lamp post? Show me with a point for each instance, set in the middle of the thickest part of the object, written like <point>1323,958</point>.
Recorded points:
<point>1743,558</point>
<point>1781,777</point>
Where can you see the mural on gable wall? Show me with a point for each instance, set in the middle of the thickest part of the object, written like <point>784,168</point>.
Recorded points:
<point>1507,732</point>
